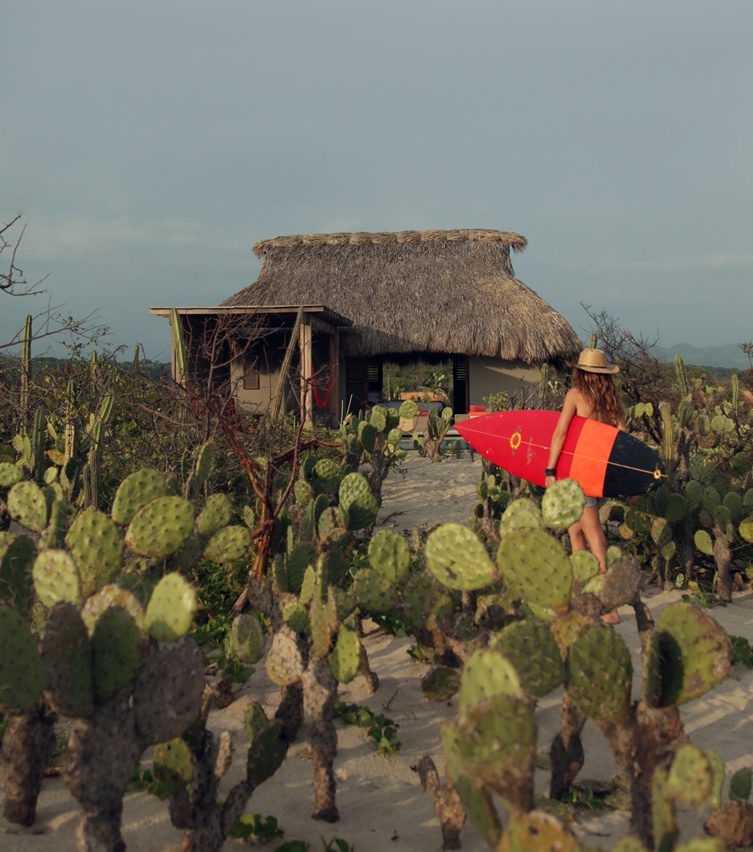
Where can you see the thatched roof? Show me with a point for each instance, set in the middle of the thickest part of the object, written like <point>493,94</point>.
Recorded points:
<point>416,291</point>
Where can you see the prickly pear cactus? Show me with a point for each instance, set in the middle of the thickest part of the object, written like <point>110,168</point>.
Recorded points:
<point>530,646</point>
<point>690,655</point>
<point>22,674</point>
<point>536,568</point>
<point>488,673</point>
<point>521,514</point>
<point>27,504</point>
<point>97,547</point>
<point>67,656</point>
<point>599,674</point>
<point>456,557</point>
<point>562,504</point>
<point>56,578</point>
<point>247,638</point>
<point>548,831</point>
<point>171,608</point>
<point>216,514</point>
<point>135,491</point>
<point>160,527</point>
<point>228,545</point>
<point>357,502</point>
<point>345,659</point>
<point>283,663</point>
<point>108,596</point>
<point>389,555</point>
<point>117,647</point>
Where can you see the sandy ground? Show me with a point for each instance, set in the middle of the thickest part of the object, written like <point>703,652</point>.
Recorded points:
<point>381,804</point>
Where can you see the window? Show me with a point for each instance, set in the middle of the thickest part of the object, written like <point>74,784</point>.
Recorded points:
<point>251,377</point>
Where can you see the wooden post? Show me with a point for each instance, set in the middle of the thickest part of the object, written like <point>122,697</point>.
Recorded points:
<point>286,363</point>
<point>307,407</point>
<point>335,377</point>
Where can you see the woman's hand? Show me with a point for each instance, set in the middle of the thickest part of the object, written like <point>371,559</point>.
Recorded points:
<point>550,480</point>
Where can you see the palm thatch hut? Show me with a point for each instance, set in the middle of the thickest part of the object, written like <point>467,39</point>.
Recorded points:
<point>400,296</point>
<point>418,293</point>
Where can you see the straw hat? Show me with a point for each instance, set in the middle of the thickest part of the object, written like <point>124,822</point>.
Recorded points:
<point>594,361</point>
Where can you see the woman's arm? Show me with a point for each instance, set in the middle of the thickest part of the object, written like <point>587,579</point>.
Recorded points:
<point>560,431</point>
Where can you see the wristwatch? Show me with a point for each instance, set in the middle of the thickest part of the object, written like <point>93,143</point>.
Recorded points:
<point>550,471</point>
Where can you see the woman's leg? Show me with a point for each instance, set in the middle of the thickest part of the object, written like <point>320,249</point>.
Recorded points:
<point>597,544</point>
<point>577,539</point>
<point>593,532</point>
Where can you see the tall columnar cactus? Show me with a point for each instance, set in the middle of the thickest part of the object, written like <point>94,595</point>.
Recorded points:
<point>25,372</point>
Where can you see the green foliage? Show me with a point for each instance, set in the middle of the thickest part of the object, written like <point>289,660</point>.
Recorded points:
<point>742,652</point>
<point>256,829</point>
<point>380,729</point>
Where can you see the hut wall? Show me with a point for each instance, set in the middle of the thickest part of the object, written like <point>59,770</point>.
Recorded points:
<point>255,375</point>
<point>488,376</point>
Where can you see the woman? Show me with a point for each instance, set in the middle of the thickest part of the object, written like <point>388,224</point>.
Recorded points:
<point>593,395</point>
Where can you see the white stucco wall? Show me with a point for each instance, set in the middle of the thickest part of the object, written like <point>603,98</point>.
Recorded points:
<point>254,401</point>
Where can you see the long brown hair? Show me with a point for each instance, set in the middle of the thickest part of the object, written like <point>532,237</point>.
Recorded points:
<point>599,390</point>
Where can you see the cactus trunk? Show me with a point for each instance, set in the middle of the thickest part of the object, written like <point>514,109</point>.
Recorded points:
<point>28,744</point>
<point>319,694</point>
<point>566,754</point>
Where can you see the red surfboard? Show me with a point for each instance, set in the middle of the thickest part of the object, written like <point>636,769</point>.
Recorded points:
<point>604,460</point>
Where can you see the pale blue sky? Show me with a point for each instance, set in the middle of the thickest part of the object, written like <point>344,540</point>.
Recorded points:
<point>150,144</point>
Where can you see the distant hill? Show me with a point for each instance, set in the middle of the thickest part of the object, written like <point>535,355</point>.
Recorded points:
<point>729,356</point>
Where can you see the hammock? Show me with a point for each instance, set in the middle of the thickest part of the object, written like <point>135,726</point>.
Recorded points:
<point>323,403</point>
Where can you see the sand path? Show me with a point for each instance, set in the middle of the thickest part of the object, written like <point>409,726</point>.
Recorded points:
<point>381,803</point>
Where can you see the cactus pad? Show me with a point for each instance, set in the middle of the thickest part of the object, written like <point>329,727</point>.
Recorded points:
<point>296,617</point>
<point>426,604</point>
<point>357,502</point>
<point>22,675</point>
<point>303,492</point>
<point>536,568</point>
<point>548,831</point>
<point>530,646</point>
<point>171,608</point>
<point>621,583</point>
<point>599,674</point>
<point>136,491</point>
<point>16,557</point>
<point>247,638</point>
<point>301,556</point>
<point>27,504</point>
<point>488,673</point>
<point>694,654</point>
<point>562,504</point>
<point>283,663</point>
<point>266,753</point>
<point>168,689</point>
<point>173,765</point>
<point>389,555</point>
<point>496,741</point>
<point>95,543</point>
<point>9,475</point>
<point>160,527</point>
<point>117,645</point>
<point>440,683</point>
<point>373,592</point>
<point>106,597</point>
<point>67,657</point>
<point>690,776</point>
<point>521,514</point>
<point>585,565</point>
<point>228,545</point>
<point>56,578</point>
<point>327,470</point>
<point>367,435</point>
<point>456,557</point>
<point>216,514</point>
<point>345,658</point>
<point>324,621</point>
<point>254,719</point>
